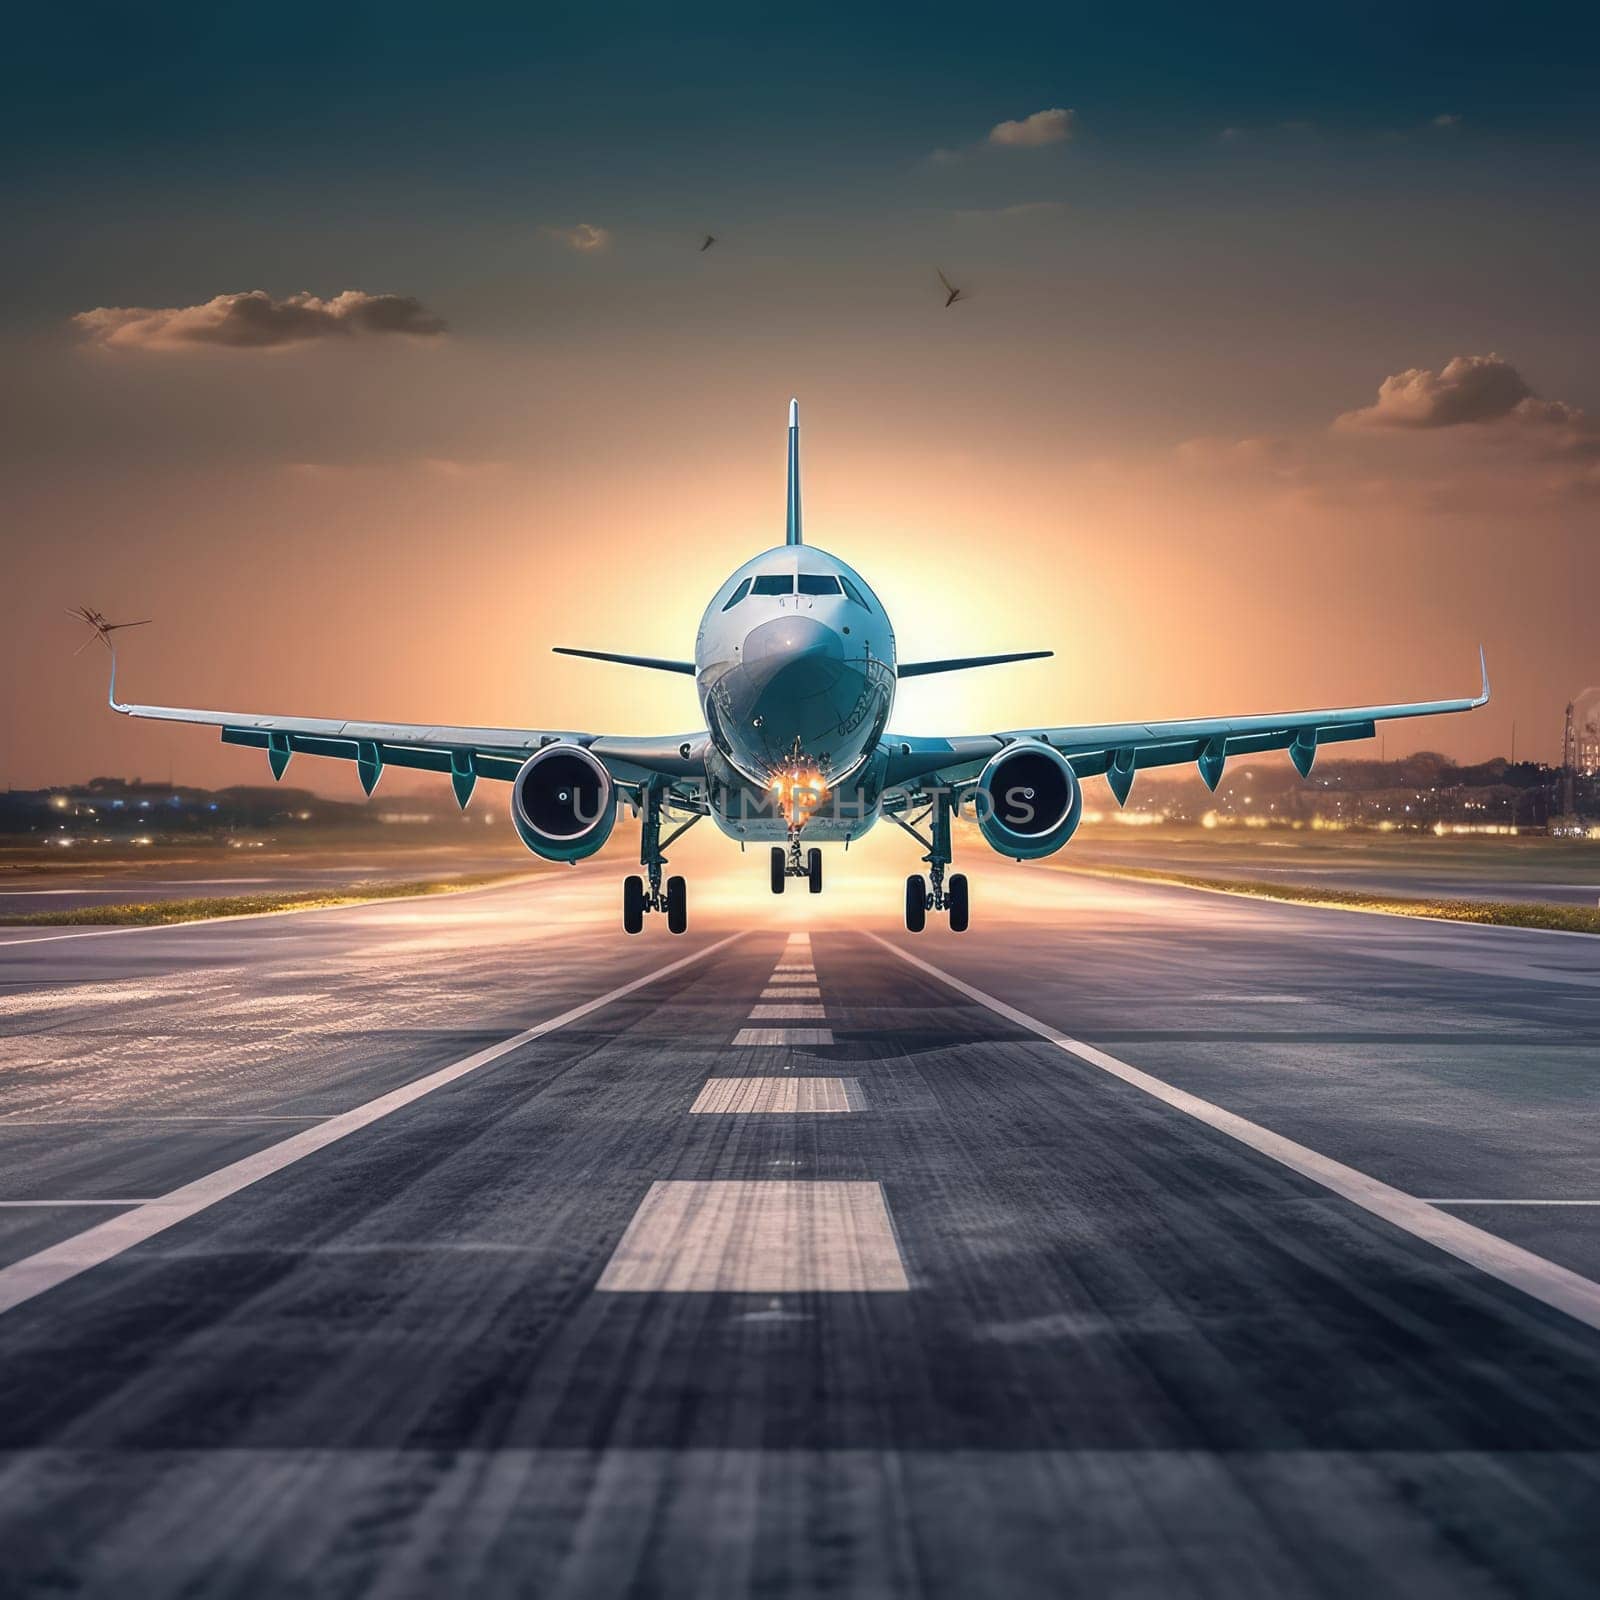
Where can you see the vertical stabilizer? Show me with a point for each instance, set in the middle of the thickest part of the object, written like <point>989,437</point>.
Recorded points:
<point>793,534</point>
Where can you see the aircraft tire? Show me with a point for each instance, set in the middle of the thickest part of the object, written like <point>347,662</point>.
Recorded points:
<point>956,901</point>
<point>633,904</point>
<point>814,869</point>
<point>916,903</point>
<point>677,905</point>
<point>780,862</point>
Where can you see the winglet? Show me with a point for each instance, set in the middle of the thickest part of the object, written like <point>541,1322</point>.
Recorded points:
<point>792,533</point>
<point>1483,667</point>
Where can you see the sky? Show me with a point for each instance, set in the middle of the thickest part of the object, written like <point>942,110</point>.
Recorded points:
<point>373,353</point>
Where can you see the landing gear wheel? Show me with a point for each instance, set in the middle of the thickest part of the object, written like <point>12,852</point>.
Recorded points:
<point>916,903</point>
<point>779,862</point>
<point>955,897</point>
<point>814,870</point>
<point>677,906</point>
<point>633,904</point>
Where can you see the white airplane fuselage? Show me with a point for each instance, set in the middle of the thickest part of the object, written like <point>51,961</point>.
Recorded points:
<point>795,670</point>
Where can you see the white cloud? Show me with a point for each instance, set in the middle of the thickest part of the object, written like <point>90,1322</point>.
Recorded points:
<point>253,320</point>
<point>1465,389</point>
<point>1043,127</point>
<point>1028,208</point>
<point>583,237</point>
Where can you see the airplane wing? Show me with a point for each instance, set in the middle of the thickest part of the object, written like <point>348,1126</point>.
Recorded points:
<point>465,753</point>
<point>1119,749</point>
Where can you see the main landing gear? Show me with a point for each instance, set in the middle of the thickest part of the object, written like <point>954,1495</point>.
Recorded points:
<point>788,864</point>
<point>935,893</point>
<point>672,896</point>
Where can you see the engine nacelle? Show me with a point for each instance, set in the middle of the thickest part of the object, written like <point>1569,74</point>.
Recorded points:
<point>1029,801</point>
<point>563,803</point>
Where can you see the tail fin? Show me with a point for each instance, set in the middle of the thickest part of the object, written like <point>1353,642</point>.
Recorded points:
<point>793,535</point>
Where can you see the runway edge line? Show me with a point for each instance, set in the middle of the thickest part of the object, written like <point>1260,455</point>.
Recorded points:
<point>1542,1280</point>
<point>33,1275</point>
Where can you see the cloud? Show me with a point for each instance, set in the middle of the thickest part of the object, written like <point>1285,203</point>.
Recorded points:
<point>1054,126</point>
<point>583,237</point>
<point>1466,389</point>
<point>1028,208</point>
<point>1446,119</point>
<point>1486,392</point>
<point>253,320</point>
<point>1273,457</point>
<point>454,468</point>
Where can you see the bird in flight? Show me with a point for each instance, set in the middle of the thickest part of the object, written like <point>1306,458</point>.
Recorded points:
<point>102,629</point>
<point>951,293</point>
<point>711,239</point>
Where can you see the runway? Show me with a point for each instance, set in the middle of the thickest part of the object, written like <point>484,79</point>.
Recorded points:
<point>461,1246</point>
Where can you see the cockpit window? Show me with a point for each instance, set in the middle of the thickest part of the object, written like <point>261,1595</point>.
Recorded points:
<point>818,583</point>
<point>854,593</point>
<point>737,595</point>
<point>773,583</point>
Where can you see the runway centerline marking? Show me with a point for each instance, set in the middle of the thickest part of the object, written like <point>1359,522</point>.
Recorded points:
<point>33,1275</point>
<point>783,1036</point>
<point>777,1096</point>
<point>1542,1280</point>
<point>761,1236</point>
<point>803,991</point>
<point>761,1013</point>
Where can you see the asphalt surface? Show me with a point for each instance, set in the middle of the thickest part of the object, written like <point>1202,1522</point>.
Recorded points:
<point>938,1307</point>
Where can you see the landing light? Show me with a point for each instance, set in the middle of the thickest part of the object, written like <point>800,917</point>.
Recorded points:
<point>799,794</point>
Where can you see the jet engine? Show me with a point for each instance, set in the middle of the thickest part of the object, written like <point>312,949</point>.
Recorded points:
<point>563,803</point>
<point>1029,801</point>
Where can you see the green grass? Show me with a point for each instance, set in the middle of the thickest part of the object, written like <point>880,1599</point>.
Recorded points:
<point>156,913</point>
<point>1500,913</point>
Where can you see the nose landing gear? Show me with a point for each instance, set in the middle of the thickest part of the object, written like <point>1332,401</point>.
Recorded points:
<point>788,864</point>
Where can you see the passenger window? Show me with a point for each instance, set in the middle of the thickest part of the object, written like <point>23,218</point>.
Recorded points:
<point>854,593</point>
<point>737,595</point>
<point>774,583</point>
<point>818,583</point>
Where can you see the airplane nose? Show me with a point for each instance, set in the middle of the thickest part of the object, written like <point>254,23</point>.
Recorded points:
<point>798,654</point>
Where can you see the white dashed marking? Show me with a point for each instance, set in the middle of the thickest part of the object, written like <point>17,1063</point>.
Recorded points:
<point>784,1013</point>
<point>752,1096</point>
<point>783,1036</point>
<point>770,1236</point>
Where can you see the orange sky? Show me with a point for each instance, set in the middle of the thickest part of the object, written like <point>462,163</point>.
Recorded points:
<point>372,381</point>
<point>1168,581</point>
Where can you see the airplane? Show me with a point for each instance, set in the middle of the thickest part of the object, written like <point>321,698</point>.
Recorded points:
<point>795,668</point>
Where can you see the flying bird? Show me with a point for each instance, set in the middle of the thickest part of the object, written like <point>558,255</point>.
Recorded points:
<point>102,629</point>
<point>711,239</point>
<point>951,293</point>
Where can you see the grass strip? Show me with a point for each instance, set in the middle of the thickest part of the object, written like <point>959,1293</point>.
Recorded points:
<point>155,913</point>
<point>1498,913</point>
